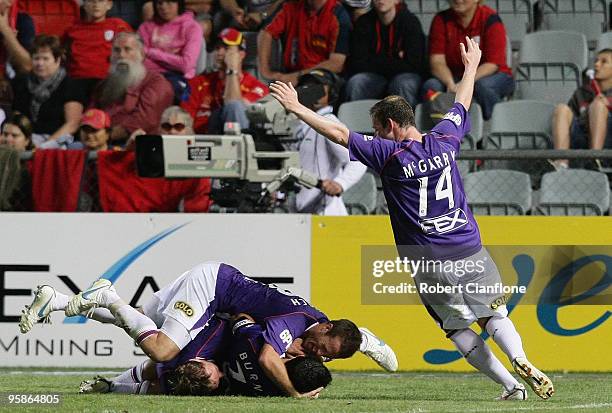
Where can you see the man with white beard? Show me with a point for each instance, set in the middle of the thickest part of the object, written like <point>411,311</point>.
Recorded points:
<point>133,97</point>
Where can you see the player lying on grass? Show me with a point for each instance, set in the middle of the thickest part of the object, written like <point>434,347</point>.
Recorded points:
<point>195,371</point>
<point>176,314</point>
<point>431,219</point>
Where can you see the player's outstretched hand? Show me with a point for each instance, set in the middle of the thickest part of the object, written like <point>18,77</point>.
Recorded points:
<point>471,56</point>
<point>285,94</point>
<point>314,394</point>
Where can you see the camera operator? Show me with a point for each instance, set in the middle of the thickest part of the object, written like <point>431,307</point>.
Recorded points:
<point>319,90</point>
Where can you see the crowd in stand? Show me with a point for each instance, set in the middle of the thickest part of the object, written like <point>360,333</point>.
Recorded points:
<point>181,71</point>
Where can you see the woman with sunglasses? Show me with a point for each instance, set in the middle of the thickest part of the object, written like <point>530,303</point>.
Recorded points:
<point>174,121</point>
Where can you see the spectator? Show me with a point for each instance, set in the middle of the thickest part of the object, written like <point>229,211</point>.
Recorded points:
<point>220,96</point>
<point>17,132</point>
<point>174,121</point>
<point>357,8</point>
<point>17,30</point>
<point>585,121</point>
<point>315,34</point>
<point>387,54</point>
<point>95,131</point>
<point>173,41</point>
<point>16,190</point>
<point>48,96</point>
<point>89,43</point>
<point>133,97</point>
<point>320,156</point>
<point>248,15</point>
<point>448,29</point>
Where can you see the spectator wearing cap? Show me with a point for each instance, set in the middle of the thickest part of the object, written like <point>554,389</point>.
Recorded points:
<point>48,97</point>
<point>221,96</point>
<point>387,54</point>
<point>314,34</point>
<point>320,156</point>
<point>173,42</point>
<point>90,41</point>
<point>448,30</point>
<point>133,96</point>
<point>95,130</point>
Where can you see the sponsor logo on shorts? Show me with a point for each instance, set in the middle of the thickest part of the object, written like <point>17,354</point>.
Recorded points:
<point>444,223</point>
<point>184,307</point>
<point>498,302</point>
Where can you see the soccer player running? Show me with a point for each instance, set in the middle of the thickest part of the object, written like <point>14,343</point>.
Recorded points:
<point>429,213</point>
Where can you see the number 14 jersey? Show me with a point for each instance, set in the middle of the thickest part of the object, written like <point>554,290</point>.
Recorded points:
<point>423,188</point>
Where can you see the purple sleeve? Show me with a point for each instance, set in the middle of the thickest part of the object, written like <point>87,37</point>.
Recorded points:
<point>372,151</point>
<point>281,331</point>
<point>454,126</point>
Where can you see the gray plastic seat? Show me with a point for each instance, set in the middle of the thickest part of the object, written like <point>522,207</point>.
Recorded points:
<point>550,65</point>
<point>426,10</point>
<point>517,16</point>
<point>361,198</point>
<point>356,115</point>
<point>604,41</point>
<point>521,124</point>
<point>589,17</point>
<point>574,192</point>
<point>498,192</point>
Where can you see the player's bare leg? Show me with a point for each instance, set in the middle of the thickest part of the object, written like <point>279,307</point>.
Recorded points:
<point>503,332</point>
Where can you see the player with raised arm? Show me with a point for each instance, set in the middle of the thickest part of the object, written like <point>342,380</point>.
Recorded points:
<point>430,217</point>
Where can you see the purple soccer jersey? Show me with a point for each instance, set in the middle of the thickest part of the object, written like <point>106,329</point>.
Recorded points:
<point>283,315</point>
<point>423,188</point>
<point>241,364</point>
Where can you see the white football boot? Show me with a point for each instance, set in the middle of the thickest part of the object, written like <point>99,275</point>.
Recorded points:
<point>378,350</point>
<point>90,299</point>
<point>518,393</point>
<point>40,309</point>
<point>97,385</point>
<point>538,381</point>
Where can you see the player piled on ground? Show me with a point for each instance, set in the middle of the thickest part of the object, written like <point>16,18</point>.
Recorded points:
<point>431,219</point>
<point>223,359</point>
<point>179,311</point>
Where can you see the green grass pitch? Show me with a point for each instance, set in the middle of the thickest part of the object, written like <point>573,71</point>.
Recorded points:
<point>349,392</point>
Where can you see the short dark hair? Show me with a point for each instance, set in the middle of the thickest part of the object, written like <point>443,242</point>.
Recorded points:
<point>307,373</point>
<point>181,7</point>
<point>395,108</point>
<point>349,334</point>
<point>52,43</point>
<point>23,123</point>
<point>190,379</point>
<point>604,50</point>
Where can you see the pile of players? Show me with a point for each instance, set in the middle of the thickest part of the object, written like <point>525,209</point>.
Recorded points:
<point>215,331</point>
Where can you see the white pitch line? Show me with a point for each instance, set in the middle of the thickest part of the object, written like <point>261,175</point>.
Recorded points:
<point>592,406</point>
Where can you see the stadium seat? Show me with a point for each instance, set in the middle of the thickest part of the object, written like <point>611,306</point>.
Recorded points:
<point>128,10</point>
<point>520,124</point>
<point>425,10</point>
<point>356,115</point>
<point>589,17</point>
<point>498,192</point>
<point>517,16</point>
<point>52,17</point>
<point>604,41</point>
<point>550,65</point>
<point>476,120</point>
<point>361,198</point>
<point>574,192</point>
